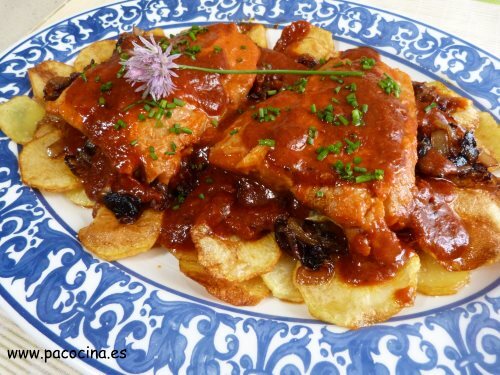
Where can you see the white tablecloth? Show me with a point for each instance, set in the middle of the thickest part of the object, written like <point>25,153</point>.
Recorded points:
<point>473,20</point>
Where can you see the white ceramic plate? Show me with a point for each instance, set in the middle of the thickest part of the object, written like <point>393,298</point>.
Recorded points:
<point>167,323</point>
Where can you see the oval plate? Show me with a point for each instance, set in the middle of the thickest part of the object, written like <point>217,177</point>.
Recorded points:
<point>68,298</point>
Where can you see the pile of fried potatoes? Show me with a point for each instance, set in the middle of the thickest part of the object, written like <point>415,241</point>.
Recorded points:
<point>245,272</point>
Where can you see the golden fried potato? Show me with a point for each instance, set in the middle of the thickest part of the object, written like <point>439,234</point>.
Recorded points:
<point>40,171</point>
<point>435,280</point>
<point>45,71</point>
<point>317,43</point>
<point>79,197</point>
<point>467,117</point>
<point>110,240</point>
<point>244,293</point>
<point>19,118</point>
<point>232,259</point>
<point>352,306</point>
<point>99,51</point>
<point>46,125</point>
<point>479,210</point>
<point>155,32</point>
<point>488,135</point>
<point>257,32</point>
<point>280,280</point>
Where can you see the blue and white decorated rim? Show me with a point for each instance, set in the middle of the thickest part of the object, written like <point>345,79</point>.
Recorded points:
<point>76,300</point>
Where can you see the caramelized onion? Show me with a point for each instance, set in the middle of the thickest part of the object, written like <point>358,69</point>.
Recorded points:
<point>439,141</point>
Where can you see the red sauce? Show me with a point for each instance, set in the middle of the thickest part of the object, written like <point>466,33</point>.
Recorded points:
<point>405,296</point>
<point>231,204</point>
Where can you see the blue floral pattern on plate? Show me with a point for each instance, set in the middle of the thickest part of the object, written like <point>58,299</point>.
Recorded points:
<point>78,300</point>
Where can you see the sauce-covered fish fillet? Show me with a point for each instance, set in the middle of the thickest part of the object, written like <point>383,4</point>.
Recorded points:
<point>346,147</point>
<point>141,134</point>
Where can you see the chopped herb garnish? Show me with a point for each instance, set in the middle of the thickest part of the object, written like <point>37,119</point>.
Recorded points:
<point>313,108</point>
<point>430,107</point>
<point>178,129</point>
<point>214,122</point>
<point>84,77</point>
<point>352,100</point>
<point>326,114</point>
<point>311,135</point>
<point>201,196</point>
<point>106,86</point>
<point>266,114</point>
<point>152,153</point>
<point>124,56</point>
<point>320,193</point>
<point>173,147</point>
<point>352,87</point>
<point>121,72</point>
<point>357,160</point>
<point>351,146</point>
<point>390,86</point>
<point>298,86</point>
<point>343,120</point>
<point>337,89</point>
<point>141,117</point>
<point>271,92</point>
<point>134,142</point>
<point>322,61</point>
<point>243,47</point>
<point>367,63</point>
<point>267,142</point>
<point>191,51</point>
<point>233,132</point>
<point>209,180</point>
<point>120,124</point>
<point>364,108</point>
<point>335,100</point>
<point>217,49</point>
<point>323,152</point>
<point>97,79</point>
<point>356,117</point>
<point>178,102</point>
<point>102,101</point>
<point>378,174</point>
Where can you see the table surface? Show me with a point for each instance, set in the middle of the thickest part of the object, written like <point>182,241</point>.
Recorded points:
<point>476,21</point>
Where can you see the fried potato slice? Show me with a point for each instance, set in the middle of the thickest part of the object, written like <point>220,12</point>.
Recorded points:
<point>280,280</point>
<point>111,240</point>
<point>79,197</point>
<point>40,171</point>
<point>45,71</point>
<point>479,210</point>
<point>244,293</point>
<point>257,32</point>
<point>352,306</point>
<point>316,42</point>
<point>99,51</point>
<point>19,118</point>
<point>435,280</point>
<point>468,117</point>
<point>488,135</point>
<point>231,258</point>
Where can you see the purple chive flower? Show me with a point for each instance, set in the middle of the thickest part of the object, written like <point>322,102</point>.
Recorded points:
<point>152,67</point>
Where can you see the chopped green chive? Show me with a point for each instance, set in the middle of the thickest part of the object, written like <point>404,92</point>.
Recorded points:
<point>298,86</point>
<point>266,114</point>
<point>173,147</point>
<point>201,196</point>
<point>179,129</point>
<point>320,193</point>
<point>120,124</point>
<point>337,89</point>
<point>121,72</point>
<point>152,153</point>
<point>271,92</point>
<point>102,101</point>
<point>357,160</point>
<point>343,120</point>
<point>364,108</point>
<point>106,86</point>
<point>356,117</point>
<point>352,146</point>
<point>367,63</point>
<point>390,86</point>
<point>312,133</point>
<point>352,100</point>
<point>209,180</point>
<point>430,107</point>
<point>233,132</point>
<point>326,114</point>
<point>352,87</point>
<point>84,77</point>
<point>267,142</point>
<point>134,142</point>
<point>179,102</point>
<point>217,49</point>
<point>243,47</point>
<point>97,79</point>
<point>313,108</point>
<point>214,122</point>
<point>336,101</point>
